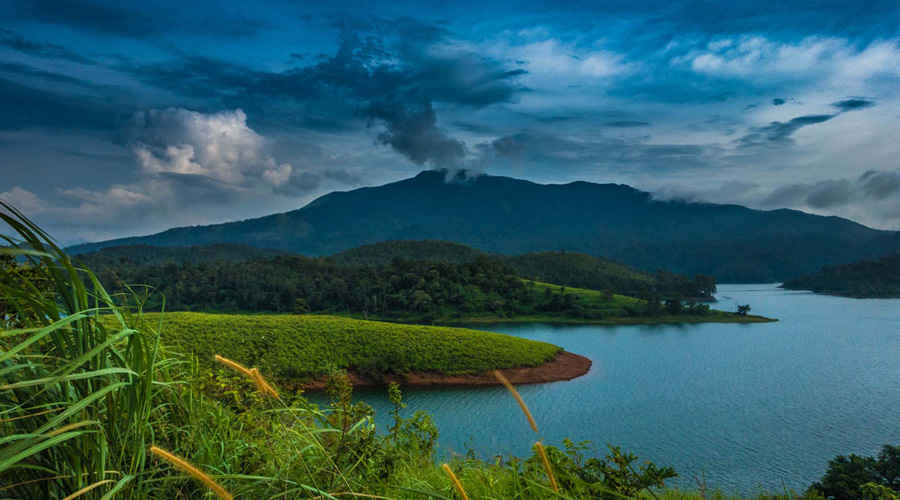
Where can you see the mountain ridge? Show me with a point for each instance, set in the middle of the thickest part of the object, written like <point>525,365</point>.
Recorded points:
<point>513,216</point>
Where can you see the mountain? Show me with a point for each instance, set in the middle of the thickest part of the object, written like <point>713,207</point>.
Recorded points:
<point>513,216</point>
<point>866,279</point>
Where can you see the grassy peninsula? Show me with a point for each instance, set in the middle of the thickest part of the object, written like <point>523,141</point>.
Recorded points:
<point>308,346</point>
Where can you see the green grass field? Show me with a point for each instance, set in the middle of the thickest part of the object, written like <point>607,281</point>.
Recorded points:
<point>304,346</point>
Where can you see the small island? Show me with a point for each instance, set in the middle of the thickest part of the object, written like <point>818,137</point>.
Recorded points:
<point>865,279</point>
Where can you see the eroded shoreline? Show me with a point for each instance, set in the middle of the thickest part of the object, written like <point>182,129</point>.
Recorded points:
<point>566,366</point>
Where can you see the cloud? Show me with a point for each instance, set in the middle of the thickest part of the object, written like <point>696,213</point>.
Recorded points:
<point>375,58</point>
<point>218,145</point>
<point>853,104</point>
<point>813,61</point>
<point>46,50</point>
<point>22,199</point>
<point>138,20</point>
<point>779,133</point>
<point>411,129</point>
<point>626,124</point>
<point>870,187</point>
<point>778,101</point>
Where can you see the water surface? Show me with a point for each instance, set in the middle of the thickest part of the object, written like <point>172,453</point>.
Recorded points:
<point>746,406</point>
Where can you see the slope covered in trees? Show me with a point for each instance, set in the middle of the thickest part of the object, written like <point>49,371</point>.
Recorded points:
<point>401,290</point>
<point>869,278</point>
<point>512,216</point>
<point>152,255</point>
<point>386,251</point>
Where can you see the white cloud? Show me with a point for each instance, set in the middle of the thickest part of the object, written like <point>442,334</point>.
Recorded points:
<point>278,175</point>
<point>756,58</point>
<point>22,199</point>
<point>220,145</point>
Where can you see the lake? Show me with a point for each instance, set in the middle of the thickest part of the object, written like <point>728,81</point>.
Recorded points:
<point>745,406</point>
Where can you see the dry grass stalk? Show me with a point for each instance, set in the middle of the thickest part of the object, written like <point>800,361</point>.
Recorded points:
<point>190,470</point>
<point>261,385</point>
<point>503,380</point>
<point>456,483</point>
<point>234,366</point>
<point>546,462</point>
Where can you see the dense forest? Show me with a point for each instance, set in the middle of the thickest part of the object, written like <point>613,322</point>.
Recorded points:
<point>869,278</point>
<point>385,251</point>
<point>398,289</point>
<point>569,268</point>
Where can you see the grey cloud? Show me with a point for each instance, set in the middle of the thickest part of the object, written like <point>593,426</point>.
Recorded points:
<point>869,187</point>
<point>25,107</point>
<point>853,104</point>
<point>376,58</point>
<point>46,50</point>
<point>779,132</point>
<point>880,185</point>
<point>778,101</point>
<point>626,124</point>
<point>141,21</point>
<point>411,129</point>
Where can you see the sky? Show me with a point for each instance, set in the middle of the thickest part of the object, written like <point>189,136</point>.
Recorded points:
<point>126,118</point>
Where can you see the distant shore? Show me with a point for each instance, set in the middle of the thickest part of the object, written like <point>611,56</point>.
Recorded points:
<point>571,320</point>
<point>566,366</point>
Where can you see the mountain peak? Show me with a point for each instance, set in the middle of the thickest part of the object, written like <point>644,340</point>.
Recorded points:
<point>512,216</point>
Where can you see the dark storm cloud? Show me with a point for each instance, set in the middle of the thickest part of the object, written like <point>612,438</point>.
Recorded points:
<point>375,58</point>
<point>779,132</point>
<point>34,48</point>
<point>24,107</point>
<point>853,104</point>
<point>137,21</point>
<point>411,129</point>
<point>626,124</point>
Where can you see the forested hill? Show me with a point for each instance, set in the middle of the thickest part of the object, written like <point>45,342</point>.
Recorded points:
<point>402,290</point>
<point>433,250</point>
<point>152,255</point>
<point>512,216</point>
<point>563,268</point>
<point>878,278</point>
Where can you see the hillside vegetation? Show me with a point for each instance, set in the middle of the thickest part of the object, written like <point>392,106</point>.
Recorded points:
<point>400,290</point>
<point>866,279</point>
<point>150,255</point>
<point>386,251</point>
<point>305,346</point>
<point>512,216</point>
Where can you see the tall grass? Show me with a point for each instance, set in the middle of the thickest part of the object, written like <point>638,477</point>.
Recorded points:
<point>76,395</point>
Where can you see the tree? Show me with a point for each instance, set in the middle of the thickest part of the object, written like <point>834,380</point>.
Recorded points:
<point>300,306</point>
<point>743,309</point>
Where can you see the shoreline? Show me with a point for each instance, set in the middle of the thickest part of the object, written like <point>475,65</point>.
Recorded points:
<point>562,320</point>
<point>565,366</point>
